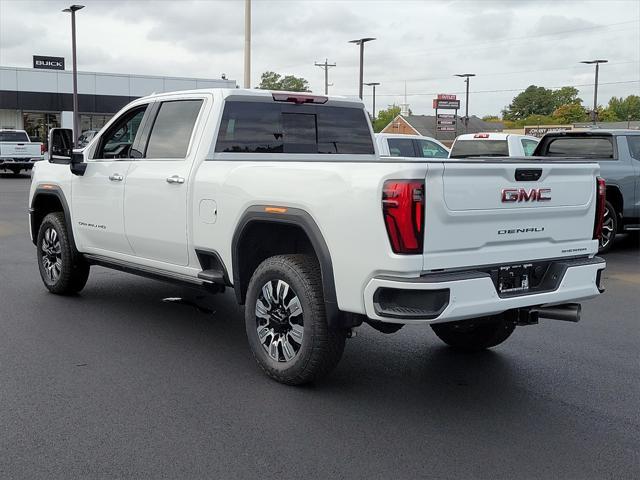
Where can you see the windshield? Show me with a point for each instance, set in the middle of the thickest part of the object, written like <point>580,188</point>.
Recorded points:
<point>581,146</point>
<point>13,137</point>
<point>479,148</point>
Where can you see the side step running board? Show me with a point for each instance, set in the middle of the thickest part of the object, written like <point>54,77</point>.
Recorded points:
<point>154,273</point>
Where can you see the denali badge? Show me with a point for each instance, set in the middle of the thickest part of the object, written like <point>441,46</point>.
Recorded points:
<point>510,231</point>
<point>524,195</point>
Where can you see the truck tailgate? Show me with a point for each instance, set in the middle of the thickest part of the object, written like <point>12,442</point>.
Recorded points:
<point>19,150</point>
<point>478,213</point>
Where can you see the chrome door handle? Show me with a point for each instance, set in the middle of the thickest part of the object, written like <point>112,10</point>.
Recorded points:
<point>175,179</point>
<point>116,177</point>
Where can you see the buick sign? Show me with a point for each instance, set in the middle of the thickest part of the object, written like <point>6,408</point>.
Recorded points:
<point>48,63</point>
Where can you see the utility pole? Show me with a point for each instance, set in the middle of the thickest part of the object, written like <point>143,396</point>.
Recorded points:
<point>373,84</point>
<point>247,43</point>
<point>76,119</point>
<point>466,77</point>
<point>361,42</point>
<point>325,66</point>
<point>597,63</point>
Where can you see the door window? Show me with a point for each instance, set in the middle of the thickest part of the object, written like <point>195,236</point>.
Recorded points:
<point>634,146</point>
<point>172,129</point>
<point>430,149</point>
<point>528,146</point>
<point>401,147</point>
<point>117,142</point>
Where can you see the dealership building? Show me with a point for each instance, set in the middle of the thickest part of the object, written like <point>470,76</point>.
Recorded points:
<point>40,98</point>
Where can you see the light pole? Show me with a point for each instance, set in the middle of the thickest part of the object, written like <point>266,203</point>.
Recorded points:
<point>247,43</point>
<point>466,77</point>
<point>361,42</point>
<point>595,88</point>
<point>373,84</point>
<point>76,123</point>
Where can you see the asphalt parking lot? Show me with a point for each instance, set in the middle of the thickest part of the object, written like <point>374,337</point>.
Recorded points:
<point>117,383</point>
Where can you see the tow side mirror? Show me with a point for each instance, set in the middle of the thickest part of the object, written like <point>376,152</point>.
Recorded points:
<point>60,145</point>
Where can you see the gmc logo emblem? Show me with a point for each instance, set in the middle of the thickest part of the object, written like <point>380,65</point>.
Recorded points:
<point>524,195</point>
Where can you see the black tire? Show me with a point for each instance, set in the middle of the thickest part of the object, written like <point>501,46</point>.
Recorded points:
<point>320,348</point>
<point>609,228</point>
<point>62,269</point>
<point>476,334</point>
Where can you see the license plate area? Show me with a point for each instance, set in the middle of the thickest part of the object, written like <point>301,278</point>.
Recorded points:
<point>515,279</point>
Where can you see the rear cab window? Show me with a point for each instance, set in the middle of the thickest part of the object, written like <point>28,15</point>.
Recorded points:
<point>14,137</point>
<point>581,146</point>
<point>266,127</point>
<point>480,148</point>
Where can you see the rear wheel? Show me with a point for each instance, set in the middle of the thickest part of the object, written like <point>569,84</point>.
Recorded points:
<point>609,228</point>
<point>62,269</point>
<point>286,322</point>
<point>475,334</point>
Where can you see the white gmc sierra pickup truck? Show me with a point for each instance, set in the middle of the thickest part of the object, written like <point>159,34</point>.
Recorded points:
<point>283,197</point>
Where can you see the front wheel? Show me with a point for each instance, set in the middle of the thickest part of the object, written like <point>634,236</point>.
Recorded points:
<point>62,270</point>
<point>286,322</point>
<point>475,334</point>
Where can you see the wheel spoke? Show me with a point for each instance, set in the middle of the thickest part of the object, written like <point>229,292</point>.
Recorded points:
<point>263,333</point>
<point>267,293</point>
<point>273,348</point>
<point>294,308</point>
<point>262,311</point>
<point>296,332</point>
<point>287,349</point>
<point>282,288</point>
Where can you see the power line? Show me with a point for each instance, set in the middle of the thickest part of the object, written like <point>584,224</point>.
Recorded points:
<point>506,90</point>
<point>510,39</point>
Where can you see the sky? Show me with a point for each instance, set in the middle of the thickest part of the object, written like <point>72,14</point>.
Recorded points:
<point>419,43</point>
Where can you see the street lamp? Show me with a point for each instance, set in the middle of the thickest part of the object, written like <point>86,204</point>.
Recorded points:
<point>373,84</point>
<point>361,42</point>
<point>247,44</point>
<point>466,77</point>
<point>595,89</point>
<point>76,124</point>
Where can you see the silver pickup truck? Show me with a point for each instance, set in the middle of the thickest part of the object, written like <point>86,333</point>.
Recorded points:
<point>18,152</point>
<point>618,153</point>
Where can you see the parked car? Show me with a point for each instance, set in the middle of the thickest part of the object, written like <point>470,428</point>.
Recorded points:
<point>282,197</point>
<point>493,145</point>
<point>17,151</point>
<point>398,145</point>
<point>618,153</point>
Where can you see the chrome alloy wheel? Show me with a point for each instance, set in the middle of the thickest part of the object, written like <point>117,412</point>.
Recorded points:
<point>607,228</point>
<point>51,254</point>
<point>279,321</point>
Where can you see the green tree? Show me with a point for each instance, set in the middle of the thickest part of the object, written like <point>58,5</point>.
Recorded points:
<point>539,101</point>
<point>491,118</point>
<point>625,108</point>
<point>566,96</point>
<point>570,113</point>
<point>385,117</point>
<point>606,114</point>
<point>274,81</point>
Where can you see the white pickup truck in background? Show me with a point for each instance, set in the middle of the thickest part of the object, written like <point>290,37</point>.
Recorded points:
<point>284,198</point>
<point>17,151</point>
<point>399,145</point>
<point>493,145</point>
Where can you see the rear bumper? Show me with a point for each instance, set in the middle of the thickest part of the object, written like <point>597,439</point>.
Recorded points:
<point>24,163</point>
<point>446,297</point>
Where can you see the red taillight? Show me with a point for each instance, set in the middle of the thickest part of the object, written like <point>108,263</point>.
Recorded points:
<point>601,197</point>
<point>403,211</point>
<point>43,149</point>
<point>298,99</point>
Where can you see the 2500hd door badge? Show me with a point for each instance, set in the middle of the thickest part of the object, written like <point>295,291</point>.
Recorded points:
<point>92,225</point>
